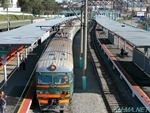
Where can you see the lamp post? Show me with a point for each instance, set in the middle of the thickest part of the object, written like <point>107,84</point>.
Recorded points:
<point>6,5</point>
<point>8,23</point>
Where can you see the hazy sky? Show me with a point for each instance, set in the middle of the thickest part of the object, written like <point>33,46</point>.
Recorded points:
<point>59,1</point>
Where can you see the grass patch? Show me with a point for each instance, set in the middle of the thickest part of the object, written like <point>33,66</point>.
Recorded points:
<point>16,17</point>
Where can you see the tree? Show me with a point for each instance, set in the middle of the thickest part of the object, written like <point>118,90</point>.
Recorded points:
<point>40,6</point>
<point>51,7</point>
<point>38,9</point>
<point>5,3</point>
<point>22,2</point>
<point>27,7</point>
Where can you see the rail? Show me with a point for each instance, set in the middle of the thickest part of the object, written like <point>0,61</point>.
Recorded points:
<point>107,85</point>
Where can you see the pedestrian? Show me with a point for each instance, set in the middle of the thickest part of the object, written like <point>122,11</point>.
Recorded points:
<point>53,28</point>
<point>2,102</point>
<point>122,52</point>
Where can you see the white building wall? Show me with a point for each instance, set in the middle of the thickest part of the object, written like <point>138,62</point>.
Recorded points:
<point>14,3</point>
<point>13,6</point>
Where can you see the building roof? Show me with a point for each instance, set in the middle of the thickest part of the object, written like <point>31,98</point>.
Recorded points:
<point>135,36</point>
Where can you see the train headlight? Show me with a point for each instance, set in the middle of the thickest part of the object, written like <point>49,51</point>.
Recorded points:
<point>52,67</point>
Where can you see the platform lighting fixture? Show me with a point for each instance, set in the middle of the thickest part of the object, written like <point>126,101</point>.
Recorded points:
<point>8,22</point>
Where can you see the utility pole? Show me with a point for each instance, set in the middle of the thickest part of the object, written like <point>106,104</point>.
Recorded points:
<point>85,46</point>
<point>132,12</point>
<point>81,40</point>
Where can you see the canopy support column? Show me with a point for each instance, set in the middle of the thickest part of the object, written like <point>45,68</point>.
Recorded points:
<point>18,60</point>
<point>119,42</point>
<point>148,52</point>
<point>26,53</point>
<point>31,48</point>
<point>125,45</point>
<point>145,54</point>
<point>4,68</point>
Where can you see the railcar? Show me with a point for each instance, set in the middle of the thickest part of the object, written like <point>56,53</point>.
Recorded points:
<point>54,73</point>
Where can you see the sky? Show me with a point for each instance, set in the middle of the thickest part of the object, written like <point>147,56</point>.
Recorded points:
<point>59,1</point>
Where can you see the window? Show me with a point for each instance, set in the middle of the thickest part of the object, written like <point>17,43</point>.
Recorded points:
<point>61,79</point>
<point>44,79</point>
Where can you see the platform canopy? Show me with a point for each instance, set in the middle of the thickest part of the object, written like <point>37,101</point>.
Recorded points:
<point>29,34</point>
<point>135,36</point>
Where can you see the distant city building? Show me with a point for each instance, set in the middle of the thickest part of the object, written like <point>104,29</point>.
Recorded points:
<point>123,6</point>
<point>12,7</point>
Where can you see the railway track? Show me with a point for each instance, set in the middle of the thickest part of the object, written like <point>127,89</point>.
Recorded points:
<point>113,100</point>
<point>110,94</point>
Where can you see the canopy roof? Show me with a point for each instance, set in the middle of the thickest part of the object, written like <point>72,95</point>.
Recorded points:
<point>135,36</point>
<point>29,34</point>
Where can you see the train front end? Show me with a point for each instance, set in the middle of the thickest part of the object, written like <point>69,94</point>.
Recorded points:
<point>54,87</point>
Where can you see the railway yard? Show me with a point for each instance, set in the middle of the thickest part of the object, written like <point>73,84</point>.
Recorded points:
<point>107,90</point>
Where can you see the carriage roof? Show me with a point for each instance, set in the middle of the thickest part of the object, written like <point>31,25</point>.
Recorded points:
<point>59,52</point>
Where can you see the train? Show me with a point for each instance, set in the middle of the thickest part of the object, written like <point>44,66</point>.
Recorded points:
<point>54,72</point>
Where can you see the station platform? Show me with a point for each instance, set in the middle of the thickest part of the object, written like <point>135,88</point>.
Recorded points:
<point>135,75</point>
<point>17,80</point>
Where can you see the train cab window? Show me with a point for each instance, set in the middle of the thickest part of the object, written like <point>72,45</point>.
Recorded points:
<point>61,79</point>
<point>44,80</point>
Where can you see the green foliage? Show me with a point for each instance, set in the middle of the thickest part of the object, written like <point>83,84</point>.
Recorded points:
<point>27,7</point>
<point>5,3</point>
<point>21,2</point>
<point>39,7</point>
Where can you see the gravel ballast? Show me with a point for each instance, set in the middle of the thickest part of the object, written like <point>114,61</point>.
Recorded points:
<point>89,100</point>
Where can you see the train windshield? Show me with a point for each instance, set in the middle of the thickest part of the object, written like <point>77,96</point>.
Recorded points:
<point>44,79</point>
<point>61,79</point>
